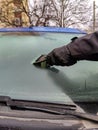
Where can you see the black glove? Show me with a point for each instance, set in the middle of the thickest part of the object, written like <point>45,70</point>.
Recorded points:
<point>60,57</point>
<point>42,62</point>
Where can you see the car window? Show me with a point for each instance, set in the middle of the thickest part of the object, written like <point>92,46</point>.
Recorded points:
<point>20,79</point>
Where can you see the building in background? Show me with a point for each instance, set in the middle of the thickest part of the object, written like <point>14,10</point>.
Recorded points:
<point>14,13</point>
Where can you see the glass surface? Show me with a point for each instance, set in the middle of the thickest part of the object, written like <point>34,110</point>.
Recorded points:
<point>19,79</point>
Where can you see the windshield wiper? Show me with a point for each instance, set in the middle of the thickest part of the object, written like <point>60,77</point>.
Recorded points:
<point>69,110</point>
<point>25,104</point>
<point>86,116</point>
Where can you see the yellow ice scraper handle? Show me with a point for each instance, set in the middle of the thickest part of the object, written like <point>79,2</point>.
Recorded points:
<point>41,62</point>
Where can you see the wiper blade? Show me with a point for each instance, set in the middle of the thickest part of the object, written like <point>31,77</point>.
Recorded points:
<point>36,109</point>
<point>22,106</point>
<point>31,104</point>
<point>86,116</point>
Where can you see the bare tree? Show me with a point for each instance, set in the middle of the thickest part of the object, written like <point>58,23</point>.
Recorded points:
<point>63,13</point>
<point>40,14</point>
<point>70,13</point>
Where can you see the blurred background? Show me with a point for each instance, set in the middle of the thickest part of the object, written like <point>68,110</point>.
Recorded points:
<point>80,14</point>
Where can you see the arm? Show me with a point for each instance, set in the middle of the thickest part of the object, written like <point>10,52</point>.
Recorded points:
<point>83,48</point>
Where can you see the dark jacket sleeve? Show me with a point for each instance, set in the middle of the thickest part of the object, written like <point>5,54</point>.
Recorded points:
<point>83,48</point>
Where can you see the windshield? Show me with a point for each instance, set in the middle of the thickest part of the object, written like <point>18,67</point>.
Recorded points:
<point>19,79</point>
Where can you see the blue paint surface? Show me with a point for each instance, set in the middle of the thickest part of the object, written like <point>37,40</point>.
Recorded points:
<point>43,29</point>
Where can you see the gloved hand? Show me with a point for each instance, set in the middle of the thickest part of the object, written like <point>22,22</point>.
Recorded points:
<point>61,57</point>
<point>41,62</point>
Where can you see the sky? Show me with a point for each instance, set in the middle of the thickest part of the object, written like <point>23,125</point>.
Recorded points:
<point>31,3</point>
<point>96,1</point>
